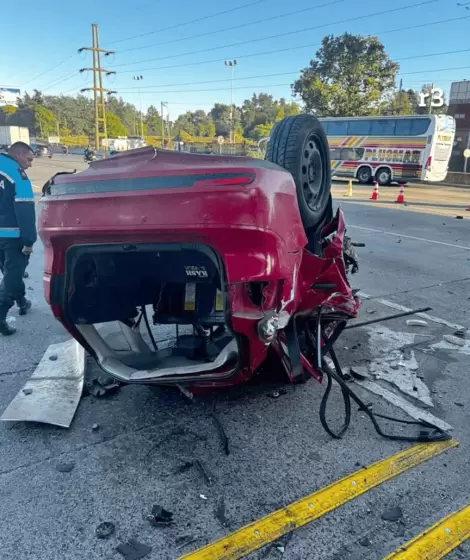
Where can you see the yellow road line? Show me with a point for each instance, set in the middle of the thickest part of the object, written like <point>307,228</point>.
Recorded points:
<point>437,541</point>
<point>267,529</point>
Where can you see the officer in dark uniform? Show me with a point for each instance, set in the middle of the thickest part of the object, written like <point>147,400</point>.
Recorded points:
<point>17,229</point>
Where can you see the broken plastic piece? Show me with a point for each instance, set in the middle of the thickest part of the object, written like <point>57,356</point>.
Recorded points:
<point>455,340</point>
<point>133,550</point>
<point>160,516</point>
<point>105,530</point>
<point>416,323</point>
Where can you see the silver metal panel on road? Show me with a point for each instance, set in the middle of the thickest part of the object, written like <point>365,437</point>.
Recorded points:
<point>52,393</point>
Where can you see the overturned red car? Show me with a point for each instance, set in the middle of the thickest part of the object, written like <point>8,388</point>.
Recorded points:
<point>236,258</point>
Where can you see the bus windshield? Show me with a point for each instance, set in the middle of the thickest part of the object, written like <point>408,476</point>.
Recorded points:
<point>386,149</point>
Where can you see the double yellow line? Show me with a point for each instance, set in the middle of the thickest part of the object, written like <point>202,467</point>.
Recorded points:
<point>268,529</point>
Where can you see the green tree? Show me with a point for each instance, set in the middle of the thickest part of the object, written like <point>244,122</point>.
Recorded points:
<point>262,131</point>
<point>398,103</point>
<point>45,123</point>
<point>349,77</point>
<point>114,125</point>
<point>153,121</point>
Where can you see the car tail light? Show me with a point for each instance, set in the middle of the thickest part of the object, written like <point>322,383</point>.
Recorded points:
<point>242,179</point>
<point>428,163</point>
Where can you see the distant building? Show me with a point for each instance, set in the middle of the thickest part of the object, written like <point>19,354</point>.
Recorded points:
<point>459,108</point>
<point>9,95</point>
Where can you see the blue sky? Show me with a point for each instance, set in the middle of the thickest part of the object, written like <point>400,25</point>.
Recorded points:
<point>180,59</point>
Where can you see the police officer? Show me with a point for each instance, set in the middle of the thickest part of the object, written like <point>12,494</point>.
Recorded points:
<point>17,229</point>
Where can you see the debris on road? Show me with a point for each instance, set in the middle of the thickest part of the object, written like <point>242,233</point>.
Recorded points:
<point>458,403</point>
<point>102,385</point>
<point>277,393</point>
<point>53,357</point>
<point>457,341</point>
<point>364,541</point>
<point>220,429</point>
<point>27,391</point>
<point>416,323</point>
<point>392,514</point>
<point>133,550</point>
<point>460,333</point>
<point>203,497</point>
<point>360,373</point>
<point>220,513</point>
<point>95,427</point>
<point>186,540</point>
<point>65,467</point>
<point>160,516</point>
<point>105,530</point>
<point>203,471</point>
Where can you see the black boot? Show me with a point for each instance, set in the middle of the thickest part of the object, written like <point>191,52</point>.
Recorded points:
<point>5,328</point>
<point>24,305</point>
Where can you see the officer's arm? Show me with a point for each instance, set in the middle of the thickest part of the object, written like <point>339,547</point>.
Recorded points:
<point>25,212</point>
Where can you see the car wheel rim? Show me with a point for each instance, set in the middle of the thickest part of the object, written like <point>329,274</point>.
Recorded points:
<point>364,176</point>
<point>312,171</point>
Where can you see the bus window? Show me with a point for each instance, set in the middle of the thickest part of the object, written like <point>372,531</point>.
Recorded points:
<point>403,127</point>
<point>335,154</point>
<point>419,126</point>
<point>352,154</point>
<point>337,128</point>
<point>383,127</point>
<point>359,128</point>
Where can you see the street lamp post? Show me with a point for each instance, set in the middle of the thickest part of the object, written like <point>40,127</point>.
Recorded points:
<point>140,78</point>
<point>232,64</point>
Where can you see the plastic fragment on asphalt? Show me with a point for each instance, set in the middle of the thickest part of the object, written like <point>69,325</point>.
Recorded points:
<point>133,550</point>
<point>203,497</point>
<point>160,516</point>
<point>416,323</point>
<point>457,341</point>
<point>105,530</point>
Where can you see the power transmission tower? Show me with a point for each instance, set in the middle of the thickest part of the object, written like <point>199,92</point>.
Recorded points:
<point>98,89</point>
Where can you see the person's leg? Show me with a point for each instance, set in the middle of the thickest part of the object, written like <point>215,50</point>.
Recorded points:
<point>12,287</point>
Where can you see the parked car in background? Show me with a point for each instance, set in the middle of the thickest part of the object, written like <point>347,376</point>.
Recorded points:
<point>43,150</point>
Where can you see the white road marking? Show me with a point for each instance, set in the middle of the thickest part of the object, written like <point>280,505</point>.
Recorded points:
<point>393,365</point>
<point>399,307</point>
<point>410,409</point>
<point>411,237</point>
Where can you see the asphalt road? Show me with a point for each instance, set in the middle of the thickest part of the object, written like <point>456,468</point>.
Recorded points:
<point>279,452</point>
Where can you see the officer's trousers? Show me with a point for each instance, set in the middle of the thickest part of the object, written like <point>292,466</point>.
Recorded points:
<point>13,262</point>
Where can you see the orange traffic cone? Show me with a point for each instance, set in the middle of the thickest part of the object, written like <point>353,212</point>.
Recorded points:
<point>401,195</point>
<point>375,192</point>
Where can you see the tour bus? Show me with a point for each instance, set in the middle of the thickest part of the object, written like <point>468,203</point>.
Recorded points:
<point>402,149</point>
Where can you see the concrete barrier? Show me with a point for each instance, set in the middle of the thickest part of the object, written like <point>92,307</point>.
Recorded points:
<point>457,179</point>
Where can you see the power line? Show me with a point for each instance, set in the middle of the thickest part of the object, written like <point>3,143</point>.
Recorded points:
<point>284,34</point>
<point>60,81</point>
<point>284,73</point>
<point>263,20</point>
<point>49,70</point>
<point>204,18</point>
<point>279,85</point>
<point>286,49</point>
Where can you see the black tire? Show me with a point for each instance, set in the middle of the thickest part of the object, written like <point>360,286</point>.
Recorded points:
<point>383,176</point>
<point>299,145</point>
<point>364,175</point>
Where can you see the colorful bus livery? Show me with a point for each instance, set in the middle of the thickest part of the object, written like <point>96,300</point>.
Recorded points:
<point>411,148</point>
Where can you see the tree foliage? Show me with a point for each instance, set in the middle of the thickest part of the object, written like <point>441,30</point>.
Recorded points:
<point>349,77</point>
<point>114,125</point>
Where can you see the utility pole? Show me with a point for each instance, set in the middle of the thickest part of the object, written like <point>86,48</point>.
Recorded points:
<point>98,89</point>
<point>163,104</point>
<point>400,97</point>
<point>139,78</point>
<point>431,97</point>
<point>232,64</point>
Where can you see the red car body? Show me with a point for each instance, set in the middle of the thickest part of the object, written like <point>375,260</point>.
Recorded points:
<point>244,211</point>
